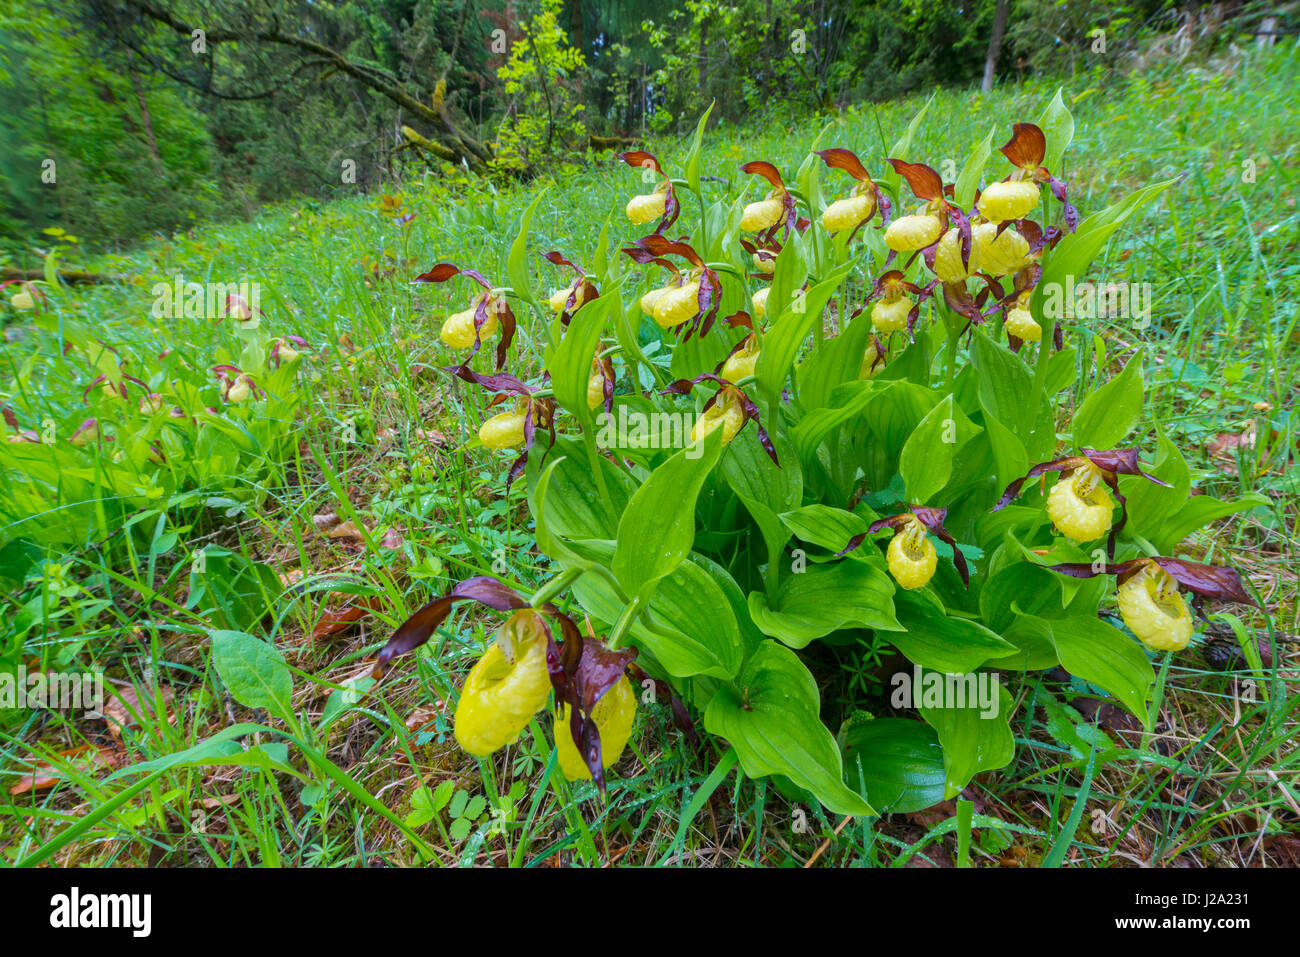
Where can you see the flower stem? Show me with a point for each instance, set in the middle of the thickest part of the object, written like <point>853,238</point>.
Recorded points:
<point>555,586</point>
<point>630,614</point>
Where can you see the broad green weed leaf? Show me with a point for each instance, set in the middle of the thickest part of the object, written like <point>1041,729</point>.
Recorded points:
<point>253,671</point>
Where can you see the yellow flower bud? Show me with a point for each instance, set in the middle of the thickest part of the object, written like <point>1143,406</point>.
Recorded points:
<point>890,315</point>
<point>647,207</point>
<point>764,263</point>
<point>1003,201</point>
<point>1079,505</point>
<point>677,305</point>
<point>503,431</point>
<point>947,258</point>
<point>22,300</point>
<point>1151,606</point>
<point>911,556</point>
<point>1000,256</point>
<point>740,364</point>
<point>505,688</point>
<point>910,233</point>
<point>614,715</point>
<point>762,215</point>
<point>848,213</point>
<point>759,302</point>
<point>458,330</point>
<point>1021,324</point>
<point>726,412</point>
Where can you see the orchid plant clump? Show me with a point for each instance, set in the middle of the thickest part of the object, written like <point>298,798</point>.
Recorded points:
<point>838,393</point>
<point>145,426</point>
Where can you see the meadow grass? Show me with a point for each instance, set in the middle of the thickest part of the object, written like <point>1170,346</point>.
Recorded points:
<point>1215,782</point>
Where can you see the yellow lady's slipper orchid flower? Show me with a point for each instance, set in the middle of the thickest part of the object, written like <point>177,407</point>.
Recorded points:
<point>998,255</point>
<point>614,714</point>
<point>86,433</point>
<point>648,206</point>
<point>910,233</point>
<point>239,390</point>
<point>848,213</point>
<point>947,258</point>
<point>1004,201</point>
<point>1021,324</point>
<point>911,555</point>
<point>860,205</point>
<point>890,315</point>
<point>652,297</point>
<point>595,391</point>
<point>458,330</point>
<point>1151,606</point>
<point>1079,505</point>
<point>505,688</point>
<point>763,214</point>
<point>677,304</point>
<point>22,300</point>
<point>152,404</point>
<point>873,359</point>
<point>660,203</point>
<point>503,431</point>
<point>759,302</point>
<point>740,364</point>
<point>561,296</point>
<point>726,412</point>
<point>764,263</point>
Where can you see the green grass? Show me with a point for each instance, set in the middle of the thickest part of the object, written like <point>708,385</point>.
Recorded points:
<point>1214,783</point>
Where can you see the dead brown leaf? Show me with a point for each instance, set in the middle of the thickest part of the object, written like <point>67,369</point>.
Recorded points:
<point>348,532</point>
<point>126,707</point>
<point>45,775</point>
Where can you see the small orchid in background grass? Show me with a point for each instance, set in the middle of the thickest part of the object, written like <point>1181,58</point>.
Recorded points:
<point>693,549</point>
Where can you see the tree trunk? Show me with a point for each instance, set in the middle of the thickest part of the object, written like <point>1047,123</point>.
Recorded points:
<point>146,119</point>
<point>704,52</point>
<point>995,45</point>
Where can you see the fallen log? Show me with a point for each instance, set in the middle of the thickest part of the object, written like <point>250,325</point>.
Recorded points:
<point>72,277</point>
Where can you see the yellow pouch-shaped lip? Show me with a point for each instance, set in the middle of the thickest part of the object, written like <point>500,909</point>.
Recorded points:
<point>500,697</point>
<point>614,715</point>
